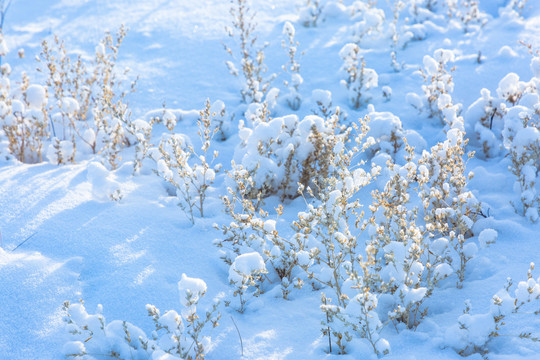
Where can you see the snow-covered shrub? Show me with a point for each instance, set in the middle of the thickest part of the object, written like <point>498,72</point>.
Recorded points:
<point>397,246</point>
<point>142,132</point>
<point>450,210</point>
<point>246,271</point>
<point>388,135</point>
<point>280,153</point>
<point>251,56</point>
<point>294,100</point>
<point>250,231</point>
<point>329,252</point>
<point>474,333</point>
<point>87,107</point>
<point>176,336</point>
<point>310,13</point>
<point>368,21</point>
<point>104,186</point>
<point>359,78</point>
<point>467,13</point>
<point>221,120</point>
<point>398,37</point>
<point>438,85</point>
<point>23,117</point>
<point>517,5</point>
<point>510,121</point>
<point>323,99</point>
<point>191,180</point>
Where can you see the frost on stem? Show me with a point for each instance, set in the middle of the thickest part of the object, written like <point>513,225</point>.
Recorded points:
<point>359,78</point>
<point>251,55</point>
<point>192,181</point>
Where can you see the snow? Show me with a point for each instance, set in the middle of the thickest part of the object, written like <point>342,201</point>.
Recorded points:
<point>36,96</point>
<point>488,237</point>
<point>86,231</point>
<point>190,289</point>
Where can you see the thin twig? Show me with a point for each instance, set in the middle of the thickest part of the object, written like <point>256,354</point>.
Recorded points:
<point>25,240</point>
<point>240,336</point>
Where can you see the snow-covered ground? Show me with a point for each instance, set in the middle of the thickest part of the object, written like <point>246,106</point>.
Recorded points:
<point>63,238</point>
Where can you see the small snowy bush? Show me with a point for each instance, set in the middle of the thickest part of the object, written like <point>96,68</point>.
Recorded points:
<point>24,118</point>
<point>329,253</point>
<point>283,152</point>
<point>251,56</point>
<point>388,135</point>
<point>467,13</point>
<point>294,100</point>
<point>438,85</point>
<point>245,272</point>
<point>368,21</point>
<point>310,14</point>
<point>474,333</point>
<point>252,231</point>
<point>400,251</point>
<point>87,107</point>
<point>510,121</point>
<point>173,159</point>
<point>176,336</point>
<point>450,210</point>
<point>323,99</point>
<point>359,78</point>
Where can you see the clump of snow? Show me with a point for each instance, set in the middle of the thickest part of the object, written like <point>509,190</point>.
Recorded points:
<point>191,290</point>
<point>36,97</point>
<point>487,237</point>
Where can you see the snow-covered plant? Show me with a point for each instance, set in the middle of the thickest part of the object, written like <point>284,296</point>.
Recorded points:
<point>323,99</point>
<point>388,135</point>
<point>397,8</point>
<point>176,336</point>
<point>280,153</point>
<point>368,21</point>
<point>221,121</point>
<point>330,255</point>
<point>245,272</point>
<point>467,13</point>
<point>408,265</point>
<point>438,84</point>
<point>251,56</point>
<point>450,210</point>
<point>23,117</point>
<point>517,5</point>
<point>142,132</point>
<point>174,165</point>
<point>474,333</point>
<point>510,121</point>
<point>294,100</point>
<point>251,230</point>
<point>310,13</point>
<point>359,78</point>
<point>87,104</point>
